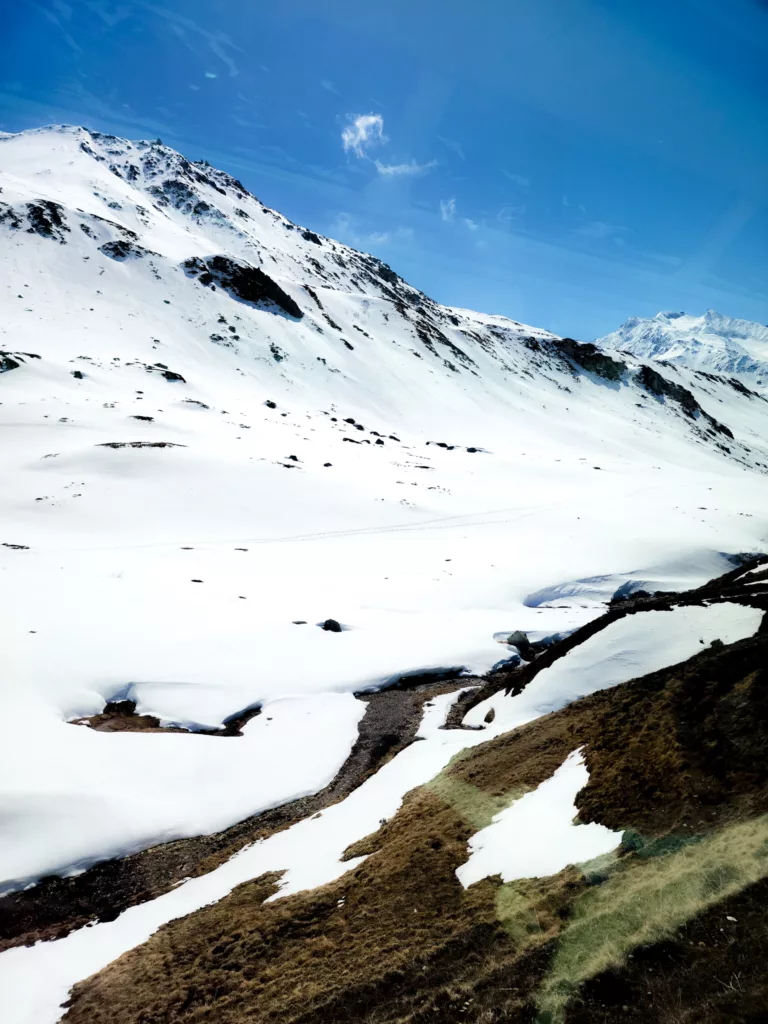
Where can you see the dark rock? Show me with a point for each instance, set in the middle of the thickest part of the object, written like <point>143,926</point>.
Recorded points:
<point>270,404</point>
<point>78,374</point>
<point>7,362</point>
<point>331,626</point>
<point>662,388</point>
<point>170,375</point>
<point>140,444</point>
<point>310,236</point>
<point>313,293</point>
<point>241,281</point>
<point>9,216</point>
<point>590,358</point>
<point>122,249</point>
<point>47,219</point>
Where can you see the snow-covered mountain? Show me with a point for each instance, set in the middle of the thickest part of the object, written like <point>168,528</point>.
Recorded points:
<point>712,342</point>
<point>221,429</point>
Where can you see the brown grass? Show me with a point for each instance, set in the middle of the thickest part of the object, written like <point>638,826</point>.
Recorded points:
<point>397,939</point>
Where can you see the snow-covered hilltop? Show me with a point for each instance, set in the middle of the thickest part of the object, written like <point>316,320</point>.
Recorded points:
<point>221,429</point>
<point>711,342</point>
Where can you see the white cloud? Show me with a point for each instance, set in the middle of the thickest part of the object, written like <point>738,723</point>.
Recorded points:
<point>363,130</point>
<point>447,208</point>
<point>471,224</point>
<point>210,74</point>
<point>400,169</point>
<point>518,179</point>
<point>329,86</point>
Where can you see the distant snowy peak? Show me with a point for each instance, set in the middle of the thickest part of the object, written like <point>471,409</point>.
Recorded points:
<point>711,342</point>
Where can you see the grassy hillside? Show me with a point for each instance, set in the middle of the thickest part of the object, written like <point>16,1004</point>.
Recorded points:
<point>670,928</point>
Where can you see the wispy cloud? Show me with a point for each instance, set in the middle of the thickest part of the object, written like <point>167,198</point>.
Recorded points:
<point>519,179</point>
<point>400,169</point>
<point>600,230</point>
<point>218,42</point>
<point>453,145</point>
<point>210,74</point>
<point>471,224</point>
<point>66,13</point>
<point>346,228</point>
<point>508,213</point>
<point>329,86</point>
<point>447,208</point>
<point>362,132</point>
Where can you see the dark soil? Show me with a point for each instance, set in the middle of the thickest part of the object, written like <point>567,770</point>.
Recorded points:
<point>120,716</point>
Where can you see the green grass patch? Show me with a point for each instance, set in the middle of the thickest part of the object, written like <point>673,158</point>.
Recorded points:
<point>647,899</point>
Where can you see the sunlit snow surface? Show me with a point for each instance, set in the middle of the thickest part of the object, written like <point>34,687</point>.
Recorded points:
<point>35,980</point>
<point>537,836</point>
<point>174,576</point>
<point>631,647</point>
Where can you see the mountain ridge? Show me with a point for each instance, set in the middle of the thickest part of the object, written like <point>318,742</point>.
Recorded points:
<point>710,342</point>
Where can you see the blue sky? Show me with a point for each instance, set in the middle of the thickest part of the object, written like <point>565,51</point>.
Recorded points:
<point>566,162</point>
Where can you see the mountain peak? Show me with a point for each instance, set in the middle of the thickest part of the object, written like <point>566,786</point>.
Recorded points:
<point>711,342</point>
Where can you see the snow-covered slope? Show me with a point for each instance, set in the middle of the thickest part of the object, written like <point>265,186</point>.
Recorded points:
<point>711,342</point>
<point>221,429</point>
